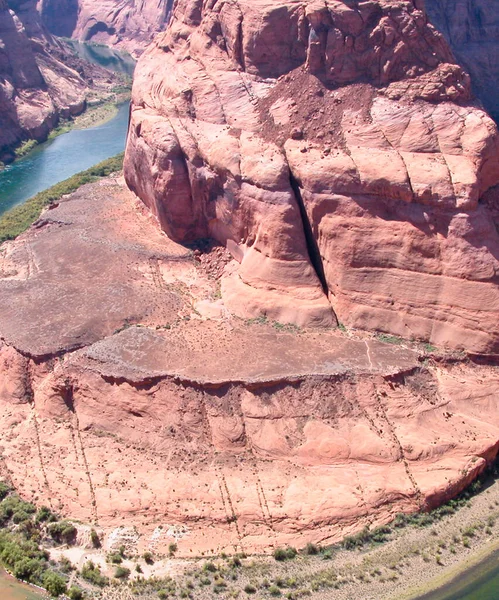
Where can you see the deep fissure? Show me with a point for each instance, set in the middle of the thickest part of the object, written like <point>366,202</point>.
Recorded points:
<point>312,245</point>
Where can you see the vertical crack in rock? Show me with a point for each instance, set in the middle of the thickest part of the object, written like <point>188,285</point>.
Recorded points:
<point>30,394</point>
<point>68,396</point>
<point>312,245</point>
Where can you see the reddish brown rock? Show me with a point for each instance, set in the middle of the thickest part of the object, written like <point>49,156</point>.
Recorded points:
<point>121,403</point>
<point>387,203</point>
<point>130,24</point>
<point>40,81</point>
<point>472,30</point>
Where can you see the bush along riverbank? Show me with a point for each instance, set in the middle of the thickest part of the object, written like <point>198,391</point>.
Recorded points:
<point>25,535</point>
<point>37,547</point>
<point>21,217</point>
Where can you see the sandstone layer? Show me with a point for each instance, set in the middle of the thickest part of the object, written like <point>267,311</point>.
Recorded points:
<point>40,80</point>
<point>130,24</point>
<point>336,151</point>
<point>472,30</point>
<point>130,396</point>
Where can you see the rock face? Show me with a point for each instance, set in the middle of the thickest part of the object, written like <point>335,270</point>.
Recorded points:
<point>130,395</point>
<point>336,151</point>
<point>472,29</point>
<point>40,81</point>
<point>131,24</point>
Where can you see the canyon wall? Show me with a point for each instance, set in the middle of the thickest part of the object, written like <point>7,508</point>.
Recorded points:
<point>36,86</point>
<point>130,24</point>
<point>472,30</point>
<point>41,80</point>
<point>130,397</point>
<point>337,152</point>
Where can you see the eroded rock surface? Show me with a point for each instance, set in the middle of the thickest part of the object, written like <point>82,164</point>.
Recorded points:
<point>129,395</point>
<point>472,29</point>
<point>336,151</point>
<point>131,24</point>
<point>40,80</point>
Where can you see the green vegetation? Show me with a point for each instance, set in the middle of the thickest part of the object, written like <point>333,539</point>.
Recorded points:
<point>25,148</point>
<point>63,532</point>
<point>122,573</point>
<point>284,553</point>
<point>92,573</point>
<point>390,339</point>
<point>19,218</point>
<point>21,530</point>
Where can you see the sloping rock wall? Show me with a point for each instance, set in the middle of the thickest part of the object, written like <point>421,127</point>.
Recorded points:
<point>472,30</point>
<point>131,24</point>
<point>40,80</point>
<point>121,403</point>
<point>337,152</point>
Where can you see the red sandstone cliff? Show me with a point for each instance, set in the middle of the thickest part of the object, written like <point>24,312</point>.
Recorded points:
<point>130,24</point>
<point>40,81</point>
<point>472,29</point>
<point>337,152</point>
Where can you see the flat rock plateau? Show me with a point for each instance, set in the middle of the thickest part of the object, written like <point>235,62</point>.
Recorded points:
<point>131,396</point>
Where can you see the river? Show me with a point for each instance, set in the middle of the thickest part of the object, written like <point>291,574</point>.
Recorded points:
<point>71,152</point>
<point>480,582</point>
<point>10,589</point>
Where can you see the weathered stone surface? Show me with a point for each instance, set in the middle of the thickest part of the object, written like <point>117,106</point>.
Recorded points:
<point>472,29</point>
<point>121,403</point>
<point>131,24</point>
<point>329,148</point>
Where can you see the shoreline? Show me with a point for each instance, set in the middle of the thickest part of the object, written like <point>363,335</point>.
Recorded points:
<point>445,582</point>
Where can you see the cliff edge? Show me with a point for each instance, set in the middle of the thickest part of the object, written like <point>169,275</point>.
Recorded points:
<point>336,151</point>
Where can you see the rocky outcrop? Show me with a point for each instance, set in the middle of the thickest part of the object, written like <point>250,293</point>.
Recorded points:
<point>40,80</point>
<point>336,151</point>
<point>130,396</point>
<point>130,24</point>
<point>472,30</point>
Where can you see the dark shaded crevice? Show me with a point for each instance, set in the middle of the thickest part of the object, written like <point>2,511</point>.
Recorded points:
<point>312,245</point>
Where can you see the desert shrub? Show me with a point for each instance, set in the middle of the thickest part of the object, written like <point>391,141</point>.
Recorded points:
<point>44,515</point>
<point>147,556</point>
<point>65,565</point>
<point>54,584</point>
<point>122,573</point>
<point>91,573</point>
<point>114,558</point>
<point>311,549</point>
<point>366,536</point>
<point>75,593</point>
<point>250,589</point>
<point>274,590</point>
<point>284,553</point>
<point>62,532</point>
<point>4,490</point>
<point>94,538</point>
<point>172,548</point>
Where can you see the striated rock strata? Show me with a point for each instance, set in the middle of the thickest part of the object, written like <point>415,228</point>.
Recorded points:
<point>335,150</point>
<point>130,24</point>
<point>130,396</point>
<point>40,79</point>
<point>472,29</point>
